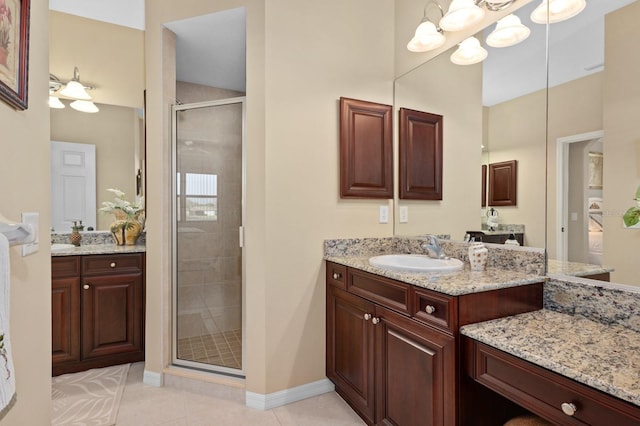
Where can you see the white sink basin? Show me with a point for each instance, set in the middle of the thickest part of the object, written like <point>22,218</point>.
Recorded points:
<point>415,263</point>
<point>61,247</point>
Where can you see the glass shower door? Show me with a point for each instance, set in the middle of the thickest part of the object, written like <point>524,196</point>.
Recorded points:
<point>207,253</point>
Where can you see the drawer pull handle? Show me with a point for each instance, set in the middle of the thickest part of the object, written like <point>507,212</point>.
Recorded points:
<point>376,320</point>
<point>569,408</point>
<point>113,264</point>
<point>430,309</point>
<point>337,275</point>
<point>86,286</point>
<point>367,317</point>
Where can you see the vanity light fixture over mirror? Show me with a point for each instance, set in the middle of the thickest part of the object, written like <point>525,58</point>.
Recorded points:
<point>73,90</point>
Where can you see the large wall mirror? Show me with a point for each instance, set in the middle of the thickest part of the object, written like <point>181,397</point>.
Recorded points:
<point>593,138</point>
<point>488,117</point>
<point>110,62</point>
<point>578,160</point>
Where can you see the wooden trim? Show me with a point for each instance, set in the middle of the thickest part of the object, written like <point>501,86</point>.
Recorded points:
<point>366,149</point>
<point>420,155</point>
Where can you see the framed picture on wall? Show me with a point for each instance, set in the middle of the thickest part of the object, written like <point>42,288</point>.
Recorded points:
<point>595,170</point>
<point>14,52</point>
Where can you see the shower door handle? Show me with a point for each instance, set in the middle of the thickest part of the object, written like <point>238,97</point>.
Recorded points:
<point>241,236</point>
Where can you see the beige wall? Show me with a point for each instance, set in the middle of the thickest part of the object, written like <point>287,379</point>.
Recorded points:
<point>622,140</point>
<point>293,87</point>
<point>113,131</point>
<point>517,131</point>
<point>109,57</point>
<point>24,185</point>
<point>455,92</point>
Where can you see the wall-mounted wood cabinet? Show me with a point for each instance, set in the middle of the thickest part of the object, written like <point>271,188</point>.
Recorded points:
<point>503,183</point>
<point>366,149</point>
<point>420,155</point>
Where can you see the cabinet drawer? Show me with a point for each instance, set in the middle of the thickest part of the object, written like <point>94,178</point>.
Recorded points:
<point>544,392</point>
<point>337,275</point>
<point>435,309</point>
<point>65,266</point>
<point>388,293</point>
<point>111,264</point>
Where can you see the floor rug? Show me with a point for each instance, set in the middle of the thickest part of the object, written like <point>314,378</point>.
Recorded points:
<point>88,398</point>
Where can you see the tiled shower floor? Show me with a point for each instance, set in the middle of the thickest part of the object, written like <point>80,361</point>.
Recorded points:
<point>223,349</point>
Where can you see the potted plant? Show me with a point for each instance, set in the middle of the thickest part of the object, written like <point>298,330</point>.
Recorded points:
<point>632,216</point>
<point>129,218</point>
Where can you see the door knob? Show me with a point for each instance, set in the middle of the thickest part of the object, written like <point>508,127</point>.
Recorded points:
<point>376,320</point>
<point>367,317</point>
<point>113,264</point>
<point>86,286</point>
<point>430,309</point>
<point>569,408</point>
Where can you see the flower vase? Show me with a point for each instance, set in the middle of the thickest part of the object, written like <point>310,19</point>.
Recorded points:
<point>126,232</point>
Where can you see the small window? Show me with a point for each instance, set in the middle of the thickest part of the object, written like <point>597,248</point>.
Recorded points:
<point>197,197</point>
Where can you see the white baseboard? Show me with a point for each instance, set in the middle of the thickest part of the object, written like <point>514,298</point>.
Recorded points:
<point>152,378</point>
<point>266,402</point>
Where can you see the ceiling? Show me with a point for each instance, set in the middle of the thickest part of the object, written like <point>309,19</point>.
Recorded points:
<point>211,48</point>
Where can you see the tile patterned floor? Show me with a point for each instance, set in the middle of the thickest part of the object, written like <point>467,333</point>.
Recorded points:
<point>216,405</point>
<point>224,349</point>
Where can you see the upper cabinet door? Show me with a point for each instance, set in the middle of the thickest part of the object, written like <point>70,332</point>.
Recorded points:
<point>366,150</point>
<point>420,155</point>
<point>503,183</point>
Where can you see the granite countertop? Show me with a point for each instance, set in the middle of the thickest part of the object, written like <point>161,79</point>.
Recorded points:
<point>575,269</point>
<point>99,249</point>
<point>457,283</point>
<point>603,356</point>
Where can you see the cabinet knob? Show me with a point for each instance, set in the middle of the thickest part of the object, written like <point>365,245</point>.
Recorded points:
<point>86,286</point>
<point>337,275</point>
<point>367,317</point>
<point>569,408</point>
<point>376,320</point>
<point>113,264</point>
<point>430,309</point>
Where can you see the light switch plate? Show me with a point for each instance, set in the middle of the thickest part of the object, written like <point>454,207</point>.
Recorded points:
<point>404,214</point>
<point>31,219</point>
<point>384,214</point>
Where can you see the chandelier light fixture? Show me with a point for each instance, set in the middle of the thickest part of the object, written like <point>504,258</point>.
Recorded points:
<point>508,32</point>
<point>553,11</point>
<point>428,36</point>
<point>469,52</point>
<point>461,14</point>
<point>73,90</point>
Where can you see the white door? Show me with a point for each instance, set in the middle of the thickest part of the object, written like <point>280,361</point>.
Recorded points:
<point>73,185</point>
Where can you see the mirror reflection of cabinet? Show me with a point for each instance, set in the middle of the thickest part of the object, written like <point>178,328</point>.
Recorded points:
<point>420,155</point>
<point>503,183</point>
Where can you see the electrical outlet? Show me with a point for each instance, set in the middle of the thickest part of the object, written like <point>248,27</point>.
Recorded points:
<point>384,214</point>
<point>404,214</point>
<point>31,247</point>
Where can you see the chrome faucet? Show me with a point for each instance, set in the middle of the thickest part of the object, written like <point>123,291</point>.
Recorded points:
<point>433,248</point>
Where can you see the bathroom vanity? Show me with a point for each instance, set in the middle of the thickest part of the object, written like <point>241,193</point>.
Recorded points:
<point>475,348</point>
<point>97,307</point>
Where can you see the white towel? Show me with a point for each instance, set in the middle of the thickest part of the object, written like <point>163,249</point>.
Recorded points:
<point>7,376</point>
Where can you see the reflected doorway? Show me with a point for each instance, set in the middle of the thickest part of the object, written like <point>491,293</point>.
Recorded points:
<point>208,194</point>
<point>580,198</point>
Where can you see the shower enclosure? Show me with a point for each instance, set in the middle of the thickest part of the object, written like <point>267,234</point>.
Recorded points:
<point>208,194</point>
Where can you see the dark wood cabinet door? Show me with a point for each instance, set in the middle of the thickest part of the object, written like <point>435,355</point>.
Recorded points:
<point>503,183</point>
<point>366,149</point>
<point>415,373</point>
<point>420,155</point>
<point>112,313</point>
<point>65,320</point>
<point>350,340</point>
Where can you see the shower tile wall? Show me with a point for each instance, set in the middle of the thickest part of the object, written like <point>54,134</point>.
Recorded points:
<point>209,258</point>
